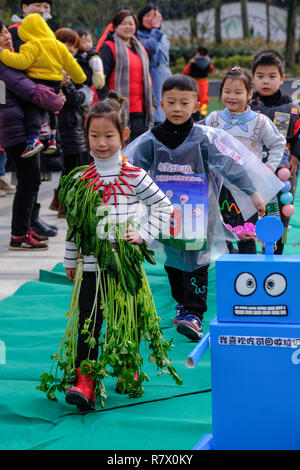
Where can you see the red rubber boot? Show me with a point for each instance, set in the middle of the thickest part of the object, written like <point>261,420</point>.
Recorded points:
<point>83,394</point>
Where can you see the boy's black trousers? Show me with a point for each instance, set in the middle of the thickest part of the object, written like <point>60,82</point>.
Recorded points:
<point>190,289</point>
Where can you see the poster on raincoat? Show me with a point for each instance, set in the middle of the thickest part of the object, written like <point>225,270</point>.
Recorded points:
<point>189,197</point>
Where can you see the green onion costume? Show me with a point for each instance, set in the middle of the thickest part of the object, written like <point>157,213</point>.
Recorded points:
<point>123,291</point>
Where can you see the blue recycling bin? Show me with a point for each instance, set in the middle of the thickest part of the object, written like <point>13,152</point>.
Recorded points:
<point>255,354</point>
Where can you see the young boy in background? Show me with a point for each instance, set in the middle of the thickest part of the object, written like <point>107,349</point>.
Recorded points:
<point>199,67</point>
<point>268,70</point>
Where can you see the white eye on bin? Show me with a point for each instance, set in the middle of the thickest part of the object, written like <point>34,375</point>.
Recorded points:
<point>275,284</point>
<point>245,284</point>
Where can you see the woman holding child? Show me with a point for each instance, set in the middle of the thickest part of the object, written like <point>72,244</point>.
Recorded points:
<point>13,136</point>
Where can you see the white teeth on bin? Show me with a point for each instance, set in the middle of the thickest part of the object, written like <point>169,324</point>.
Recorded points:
<point>260,310</point>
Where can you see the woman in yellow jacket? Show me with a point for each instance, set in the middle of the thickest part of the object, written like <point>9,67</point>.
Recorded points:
<point>43,58</point>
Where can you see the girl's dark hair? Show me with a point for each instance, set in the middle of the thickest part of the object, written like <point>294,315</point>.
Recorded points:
<point>112,107</point>
<point>180,82</point>
<point>237,73</point>
<point>1,25</point>
<point>67,35</point>
<point>269,57</point>
<point>143,12</point>
<point>119,16</point>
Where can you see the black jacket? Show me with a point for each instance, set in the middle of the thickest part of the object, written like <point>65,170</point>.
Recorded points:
<point>268,105</point>
<point>71,122</point>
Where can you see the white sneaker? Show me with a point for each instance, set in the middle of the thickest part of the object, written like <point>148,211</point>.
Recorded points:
<point>6,186</point>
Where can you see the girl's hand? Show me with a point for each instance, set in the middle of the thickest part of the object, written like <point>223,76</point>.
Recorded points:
<point>70,272</point>
<point>133,236</point>
<point>156,20</point>
<point>259,204</point>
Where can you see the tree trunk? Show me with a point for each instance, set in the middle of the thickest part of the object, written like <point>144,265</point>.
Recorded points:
<point>194,28</point>
<point>218,33</point>
<point>290,33</point>
<point>193,21</point>
<point>268,3</point>
<point>244,13</point>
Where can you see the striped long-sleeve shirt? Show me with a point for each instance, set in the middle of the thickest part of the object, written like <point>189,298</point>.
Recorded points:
<point>144,190</point>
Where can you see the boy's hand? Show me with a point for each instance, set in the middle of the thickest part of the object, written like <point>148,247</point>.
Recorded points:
<point>259,204</point>
<point>63,96</point>
<point>133,236</point>
<point>293,164</point>
<point>70,272</point>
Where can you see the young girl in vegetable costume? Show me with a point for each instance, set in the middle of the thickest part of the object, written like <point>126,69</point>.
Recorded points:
<point>100,202</point>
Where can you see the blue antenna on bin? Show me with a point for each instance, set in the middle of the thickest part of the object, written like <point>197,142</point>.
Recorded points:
<point>269,229</point>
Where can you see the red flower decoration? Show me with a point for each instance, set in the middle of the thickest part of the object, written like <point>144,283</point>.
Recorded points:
<point>108,189</point>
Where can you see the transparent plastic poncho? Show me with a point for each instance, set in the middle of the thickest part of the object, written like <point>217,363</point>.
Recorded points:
<point>192,175</point>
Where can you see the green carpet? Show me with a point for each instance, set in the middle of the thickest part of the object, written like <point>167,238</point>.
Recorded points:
<point>168,416</point>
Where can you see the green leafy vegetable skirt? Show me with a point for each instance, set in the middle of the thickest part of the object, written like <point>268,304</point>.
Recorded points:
<point>124,295</point>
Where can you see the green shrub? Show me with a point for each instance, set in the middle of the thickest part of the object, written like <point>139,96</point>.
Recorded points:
<point>229,49</point>
<point>225,63</point>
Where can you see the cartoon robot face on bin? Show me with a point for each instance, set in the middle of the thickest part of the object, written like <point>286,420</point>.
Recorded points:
<point>257,288</point>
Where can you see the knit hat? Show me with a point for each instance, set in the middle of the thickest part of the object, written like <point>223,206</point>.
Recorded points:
<point>29,2</point>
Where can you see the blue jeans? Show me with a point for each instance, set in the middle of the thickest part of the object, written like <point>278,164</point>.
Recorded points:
<point>2,162</point>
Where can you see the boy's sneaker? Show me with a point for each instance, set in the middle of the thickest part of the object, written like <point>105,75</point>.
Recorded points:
<point>32,148</point>
<point>26,243</point>
<point>180,313</point>
<point>191,327</point>
<point>50,147</point>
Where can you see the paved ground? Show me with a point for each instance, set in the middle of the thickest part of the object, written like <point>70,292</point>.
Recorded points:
<point>17,267</point>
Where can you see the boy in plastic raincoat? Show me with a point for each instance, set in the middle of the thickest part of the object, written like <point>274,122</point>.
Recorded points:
<point>190,162</point>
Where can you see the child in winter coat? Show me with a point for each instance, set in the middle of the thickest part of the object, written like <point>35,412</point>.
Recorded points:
<point>89,60</point>
<point>43,58</point>
<point>199,67</point>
